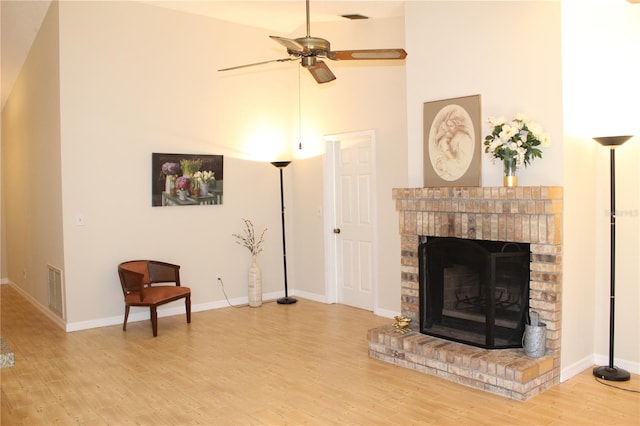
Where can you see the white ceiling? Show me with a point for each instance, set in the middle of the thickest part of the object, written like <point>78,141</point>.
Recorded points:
<point>21,19</point>
<point>19,23</point>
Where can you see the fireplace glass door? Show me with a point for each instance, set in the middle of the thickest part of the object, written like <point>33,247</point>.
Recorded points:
<point>474,291</point>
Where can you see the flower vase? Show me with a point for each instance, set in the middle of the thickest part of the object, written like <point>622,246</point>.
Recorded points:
<point>204,189</point>
<point>510,170</point>
<point>170,185</point>
<point>255,284</point>
<point>182,194</point>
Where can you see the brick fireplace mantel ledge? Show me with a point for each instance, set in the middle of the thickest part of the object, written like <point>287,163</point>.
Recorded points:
<point>527,214</point>
<point>481,192</point>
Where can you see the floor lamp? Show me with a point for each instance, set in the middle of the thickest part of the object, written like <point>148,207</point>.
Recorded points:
<point>286,300</point>
<point>609,372</point>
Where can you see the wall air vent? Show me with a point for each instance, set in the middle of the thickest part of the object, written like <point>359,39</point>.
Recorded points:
<point>56,296</point>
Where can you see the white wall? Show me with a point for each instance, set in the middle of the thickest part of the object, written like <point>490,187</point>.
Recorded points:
<point>600,93</point>
<point>507,52</point>
<point>365,96</point>
<point>138,79</point>
<point>129,88</point>
<point>31,167</point>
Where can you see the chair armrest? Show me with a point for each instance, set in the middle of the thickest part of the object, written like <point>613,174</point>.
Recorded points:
<point>131,281</point>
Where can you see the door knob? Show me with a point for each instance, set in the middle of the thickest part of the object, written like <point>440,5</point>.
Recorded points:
<point>336,230</point>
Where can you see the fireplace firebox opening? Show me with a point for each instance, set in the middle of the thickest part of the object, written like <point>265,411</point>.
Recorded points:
<point>474,291</point>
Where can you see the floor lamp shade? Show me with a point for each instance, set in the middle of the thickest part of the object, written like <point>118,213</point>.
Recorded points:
<point>286,300</point>
<point>610,372</point>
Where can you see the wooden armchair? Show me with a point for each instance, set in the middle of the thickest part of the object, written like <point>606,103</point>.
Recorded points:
<point>138,279</point>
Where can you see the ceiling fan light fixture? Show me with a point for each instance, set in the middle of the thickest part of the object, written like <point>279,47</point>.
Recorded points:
<point>309,61</point>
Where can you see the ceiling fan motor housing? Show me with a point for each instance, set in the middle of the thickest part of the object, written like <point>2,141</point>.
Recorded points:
<point>314,46</point>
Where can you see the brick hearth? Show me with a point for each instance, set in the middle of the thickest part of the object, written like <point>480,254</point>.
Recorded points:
<point>522,214</point>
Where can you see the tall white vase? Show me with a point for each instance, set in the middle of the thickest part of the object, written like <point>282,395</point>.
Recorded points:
<point>255,284</point>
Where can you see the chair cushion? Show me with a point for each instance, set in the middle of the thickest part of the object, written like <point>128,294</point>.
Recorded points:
<point>157,295</point>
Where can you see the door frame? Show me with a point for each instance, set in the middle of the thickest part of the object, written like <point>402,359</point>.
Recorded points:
<point>332,146</point>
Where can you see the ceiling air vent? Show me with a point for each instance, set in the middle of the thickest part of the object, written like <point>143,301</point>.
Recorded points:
<point>355,16</point>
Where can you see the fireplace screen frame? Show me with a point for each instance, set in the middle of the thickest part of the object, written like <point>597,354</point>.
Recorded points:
<point>484,259</point>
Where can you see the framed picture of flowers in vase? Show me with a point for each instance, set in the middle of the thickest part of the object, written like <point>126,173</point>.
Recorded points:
<point>452,142</point>
<point>186,179</point>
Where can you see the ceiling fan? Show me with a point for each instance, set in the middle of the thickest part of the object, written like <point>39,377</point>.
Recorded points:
<point>309,49</point>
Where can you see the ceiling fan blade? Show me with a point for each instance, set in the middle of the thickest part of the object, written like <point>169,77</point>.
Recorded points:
<point>344,55</point>
<point>321,72</point>
<point>291,44</point>
<point>257,63</point>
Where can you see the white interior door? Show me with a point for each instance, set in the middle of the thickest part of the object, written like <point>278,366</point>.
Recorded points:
<point>352,210</point>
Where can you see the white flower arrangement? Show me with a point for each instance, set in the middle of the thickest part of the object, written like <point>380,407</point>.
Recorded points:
<point>206,176</point>
<point>249,240</point>
<point>519,138</point>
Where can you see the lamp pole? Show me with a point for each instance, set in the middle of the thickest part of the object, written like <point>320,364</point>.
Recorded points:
<point>610,372</point>
<point>286,300</point>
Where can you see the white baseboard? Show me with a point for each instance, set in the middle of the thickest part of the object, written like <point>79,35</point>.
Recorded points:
<point>142,314</point>
<point>323,299</point>
<point>590,361</point>
<point>385,313</point>
<point>39,306</point>
<point>310,296</point>
<point>174,308</point>
<point>630,366</point>
<point>576,368</point>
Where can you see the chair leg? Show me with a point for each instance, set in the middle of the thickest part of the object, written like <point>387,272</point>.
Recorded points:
<point>154,320</point>
<point>126,317</point>
<point>187,305</point>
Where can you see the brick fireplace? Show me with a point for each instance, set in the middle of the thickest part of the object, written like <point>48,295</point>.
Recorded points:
<point>520,214</point>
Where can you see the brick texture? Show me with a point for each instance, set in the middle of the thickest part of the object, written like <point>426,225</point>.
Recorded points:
<point>522,214</point>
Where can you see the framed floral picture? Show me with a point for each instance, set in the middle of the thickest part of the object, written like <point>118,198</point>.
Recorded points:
<point>452,142</point>
<point>186,179</point>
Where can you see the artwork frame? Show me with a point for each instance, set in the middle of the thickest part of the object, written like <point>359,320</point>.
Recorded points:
<point>452,144</point>
<point>175,180</point>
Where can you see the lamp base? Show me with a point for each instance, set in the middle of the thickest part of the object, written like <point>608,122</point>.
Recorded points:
<point>287,300</point>
<point>614,374</point>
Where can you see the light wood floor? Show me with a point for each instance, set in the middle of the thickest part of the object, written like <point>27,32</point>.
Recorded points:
<point>275,365</point>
